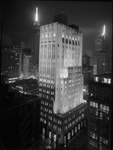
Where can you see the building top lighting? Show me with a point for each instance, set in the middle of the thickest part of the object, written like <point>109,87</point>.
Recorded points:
<point>104,30</point>
<point>36,15</point>
<point>36,22</point>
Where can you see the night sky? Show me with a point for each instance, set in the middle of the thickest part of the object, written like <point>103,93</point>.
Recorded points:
<point>18,18</point>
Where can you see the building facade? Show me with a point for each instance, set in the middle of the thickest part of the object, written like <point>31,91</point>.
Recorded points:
<point>10,62</point>
<point>99,122</point>
<point>61,83</point>
<point>99,62</point>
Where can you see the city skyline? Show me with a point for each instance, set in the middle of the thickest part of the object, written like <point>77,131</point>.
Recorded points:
<point>54,94</point>
<point>89,16</point>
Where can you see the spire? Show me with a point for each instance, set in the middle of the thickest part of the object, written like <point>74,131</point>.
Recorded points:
<point>104,29</point>
<point>36,22</point>
<point>36,15</point>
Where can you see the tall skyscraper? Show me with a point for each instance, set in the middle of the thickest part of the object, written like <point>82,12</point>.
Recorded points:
<point>63,110</point>
<point>100,113</point>
<point>102,54</point>
<point>35,39</point>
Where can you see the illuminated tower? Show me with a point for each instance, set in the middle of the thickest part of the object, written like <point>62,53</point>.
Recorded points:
<point>100,40</point>
<point>35,39</point>
<point>102,54</point>
<point>61,83</point>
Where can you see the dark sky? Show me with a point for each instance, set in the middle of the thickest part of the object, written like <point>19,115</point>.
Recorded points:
<point>18,17</point>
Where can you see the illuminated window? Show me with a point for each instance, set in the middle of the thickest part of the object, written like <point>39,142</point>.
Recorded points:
<point>108,108</point>
<point>96,105</point>
<point>91,94</point>
<point>96,112</point>
<point>55,137</point>
<point>91,104</point>
<point>101,115</point>
<point>45,121</point>
<point>65,139</point>
<point>78,126</point>
<point>109,81</point>
<point>72,132</point>
<point>82,115</point>
<point>96,79</point>
<point>50,134</point>
<point>43,130</point>
<point>69,136</point>
<point>105,80</point>
<point>54,35</point>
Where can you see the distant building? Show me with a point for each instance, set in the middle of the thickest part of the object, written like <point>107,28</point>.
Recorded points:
<point>35,40</point>
<point>63,110</point>
<point>25,63</point>
<point>99,122</point>
<point>102,55</point>
<point>61,18</point>
<point>85,60</point>
<point>99,62</point>
<point>10,62</point>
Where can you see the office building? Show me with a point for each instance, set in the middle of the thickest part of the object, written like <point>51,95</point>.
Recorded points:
<point>10,62</point>
<point>63,111</point>
<point>100,110</point>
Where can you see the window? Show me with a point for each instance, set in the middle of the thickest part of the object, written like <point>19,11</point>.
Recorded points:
<point>66,40</point>
<point>62,39</point>
<point>75,41</point>
<point>78,126</point>
<point>69,136</point>
<point>75,129</point>
<point>78,43</point>
<point>72,132</point>
<point>69,41</point>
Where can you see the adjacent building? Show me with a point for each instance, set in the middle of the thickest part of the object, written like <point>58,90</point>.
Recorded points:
<point>100,113</point>
<point>19,117</point>
<point>87,71</point>
<point>63,111</point>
